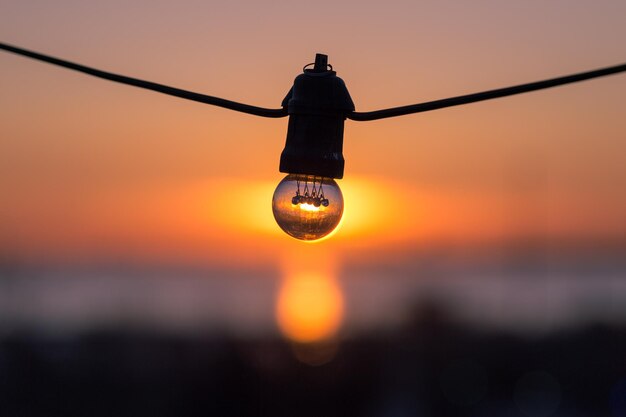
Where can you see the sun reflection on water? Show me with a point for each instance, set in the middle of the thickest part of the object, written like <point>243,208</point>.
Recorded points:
<point>309,307</point>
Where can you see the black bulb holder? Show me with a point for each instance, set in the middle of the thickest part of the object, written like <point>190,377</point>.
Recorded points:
<point>317,104</point>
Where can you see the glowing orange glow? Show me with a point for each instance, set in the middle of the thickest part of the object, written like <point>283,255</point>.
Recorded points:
<point>230,221</point>
<point>309,307</point>
<point>396,214</point>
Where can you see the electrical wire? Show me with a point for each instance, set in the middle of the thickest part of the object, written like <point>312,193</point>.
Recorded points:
<point>484,95</point>
<point>357,116</point>
<point>177,92</point>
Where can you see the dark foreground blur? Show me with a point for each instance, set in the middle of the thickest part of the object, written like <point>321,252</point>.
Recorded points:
<point>431,367</point>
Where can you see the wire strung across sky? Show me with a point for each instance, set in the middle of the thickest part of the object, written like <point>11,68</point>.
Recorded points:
<point>282,112</point>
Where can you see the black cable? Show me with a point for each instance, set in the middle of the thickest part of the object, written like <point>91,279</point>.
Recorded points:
<point>358,116</point>
<point>485,95</point>
<point>215,101</point>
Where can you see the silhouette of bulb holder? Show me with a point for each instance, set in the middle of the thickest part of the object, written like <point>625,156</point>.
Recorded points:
<point>307,207</point>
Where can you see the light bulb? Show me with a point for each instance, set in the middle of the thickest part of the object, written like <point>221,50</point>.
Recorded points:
<point>307,207</point>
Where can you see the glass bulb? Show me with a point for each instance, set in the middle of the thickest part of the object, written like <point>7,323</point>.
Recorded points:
<point>307,207</point>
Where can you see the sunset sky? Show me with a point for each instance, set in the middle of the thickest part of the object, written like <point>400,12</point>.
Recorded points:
<point>93,172</point>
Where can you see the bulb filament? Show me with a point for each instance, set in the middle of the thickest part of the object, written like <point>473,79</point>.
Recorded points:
<point>312,198</point>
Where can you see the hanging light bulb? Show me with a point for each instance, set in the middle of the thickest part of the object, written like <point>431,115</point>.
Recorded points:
<point>308,203</point>
<point>307,207</point>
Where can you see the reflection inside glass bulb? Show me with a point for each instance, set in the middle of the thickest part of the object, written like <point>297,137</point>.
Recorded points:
<point>307,207</point>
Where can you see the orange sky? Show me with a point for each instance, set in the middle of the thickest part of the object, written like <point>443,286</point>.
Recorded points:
<point>95,170</point>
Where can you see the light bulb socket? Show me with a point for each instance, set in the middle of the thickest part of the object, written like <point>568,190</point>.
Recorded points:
<point>317,105</point>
